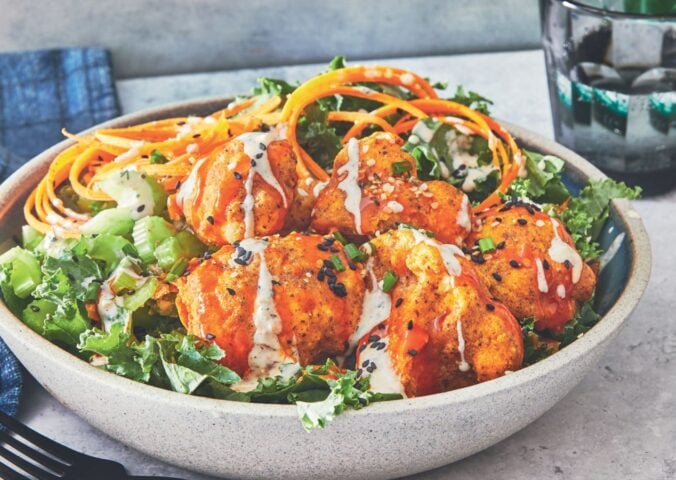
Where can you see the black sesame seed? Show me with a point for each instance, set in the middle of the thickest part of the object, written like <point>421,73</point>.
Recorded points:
<point>522,221</point>
<point>333,250</point>
<point>372,366</point>
<point>497,276</point>
<point>478,259</point>
<point>321,275</point>
<point>253,163</point>
<point>381,345</point>
<point>210,336</point>
<point>365,363</point>
<point>500,245</point>
<point>231,291</point>
<point>381,326</point>
<point>180,124</point>
<point>322,247</point>
<point>490,307</point>
<point>413,352</point>
<point>545,264</point>
<point>362,348</point>
<point>567,263</point>
<point>262,146</point>
<point>140,208</point>
<point>197,135</point>
<point>374,338</point>
<point>514,264</point>
<point>259,156</point>
<point>237,175</point>
<point>398,303</point>
<point>351,264</point>
<point>210,219</point>
<point>339,290</point>
<point>360,372</point>
<point>410,325</point>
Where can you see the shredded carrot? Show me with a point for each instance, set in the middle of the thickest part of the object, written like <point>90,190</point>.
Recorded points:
<point>182,141</point>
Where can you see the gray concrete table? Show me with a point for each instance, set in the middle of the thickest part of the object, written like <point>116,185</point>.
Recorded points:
<point>619,423</point>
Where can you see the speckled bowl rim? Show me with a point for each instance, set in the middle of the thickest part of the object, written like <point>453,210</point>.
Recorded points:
<point>637,280</point>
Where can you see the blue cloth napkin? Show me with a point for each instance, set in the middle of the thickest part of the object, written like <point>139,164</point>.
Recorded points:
<point>42,92</point>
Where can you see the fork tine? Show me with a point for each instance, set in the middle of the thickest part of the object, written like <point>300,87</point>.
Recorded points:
<point>32,453</point>
<point>9,474</point>
<point>57,450</point>
<point>25,465</point>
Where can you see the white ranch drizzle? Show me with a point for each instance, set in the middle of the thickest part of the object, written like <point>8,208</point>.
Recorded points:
<point>609,254</point>
<point>447,252</point>
<point>463,214</point>
<point>375,309</point>
<point>131,153</point>
<point>560,251</point>
<point>561,291</point>
<point>463,366</point>
<point>383,378</point>
<point>542,280</point>
<point>188,186</point>
<point>255,145</point>
<point>265,355</point>
<point>423,132</point>
<point>350,184</point>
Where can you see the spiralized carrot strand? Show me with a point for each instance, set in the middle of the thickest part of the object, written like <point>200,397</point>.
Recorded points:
<point>358,128</point>
<point>234,108</point>
<point>359,118</point>
<point>82,162</point>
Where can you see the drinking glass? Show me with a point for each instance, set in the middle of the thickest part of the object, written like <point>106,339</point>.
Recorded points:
<point>611,69</point>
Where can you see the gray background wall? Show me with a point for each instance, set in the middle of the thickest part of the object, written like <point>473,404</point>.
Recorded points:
<point>154,37</point>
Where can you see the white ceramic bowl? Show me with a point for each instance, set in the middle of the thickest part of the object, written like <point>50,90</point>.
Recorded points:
<point>385,440</point>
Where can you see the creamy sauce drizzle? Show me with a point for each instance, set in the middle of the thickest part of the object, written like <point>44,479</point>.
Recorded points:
<point>560,251</point>
<point>350,184</point>
<point>609,254</point>
<point>383,379</point>
<point>463,214</point>
<point>542,280</point>
<point>561,291</point>
<point>463,366</point>
<point>188,186</point>
<point>447,252</point>
<point>375,309</point>
<point>255,145</point>
<point>266,356</point>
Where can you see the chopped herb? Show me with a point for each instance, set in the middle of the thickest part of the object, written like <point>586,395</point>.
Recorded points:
<point>399,168</point>
<point>156,158</point>
<point>337,263</point>
<point>389,280</point>
<point>486,245</point>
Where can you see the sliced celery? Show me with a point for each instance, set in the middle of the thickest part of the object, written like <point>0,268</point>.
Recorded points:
<point>30,238</point>
<point>110,249</point>
<point>36,313</point>
<point>148,233</point>
<point>115,221</point>
<point>142,294</point>
<point>123,281</point>
<point>183,245</point>
<point>139,194</point>
<point>26,273</point>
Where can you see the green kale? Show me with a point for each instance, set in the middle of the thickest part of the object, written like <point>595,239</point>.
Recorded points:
<point>472,100</point>
<point>543,183</point>
<point>175,360</point>
<point>319,138</point>
<point>586,214</point>
<point>532,353</point>
<point>273,87</point>
<point>584,319</point>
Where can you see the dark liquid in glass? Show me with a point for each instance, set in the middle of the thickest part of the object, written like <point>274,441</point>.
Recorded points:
<point>613,92</point>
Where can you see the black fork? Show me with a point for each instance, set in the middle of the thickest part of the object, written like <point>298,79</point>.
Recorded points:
<point>28,455</point>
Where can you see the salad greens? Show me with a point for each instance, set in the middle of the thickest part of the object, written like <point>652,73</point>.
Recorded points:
<point>107,298</point>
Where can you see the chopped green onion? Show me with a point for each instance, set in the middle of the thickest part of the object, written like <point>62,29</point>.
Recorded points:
<point>400,167</point>
<point>337,262</point>
<point>486,244</point>
<point>156,157</point>
<point>340,237</point>
<point>388,281</point>
<point>122,281</point>
<point>354,254</point>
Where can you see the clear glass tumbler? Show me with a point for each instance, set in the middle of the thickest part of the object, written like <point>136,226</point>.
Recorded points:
<point>611,68</point>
